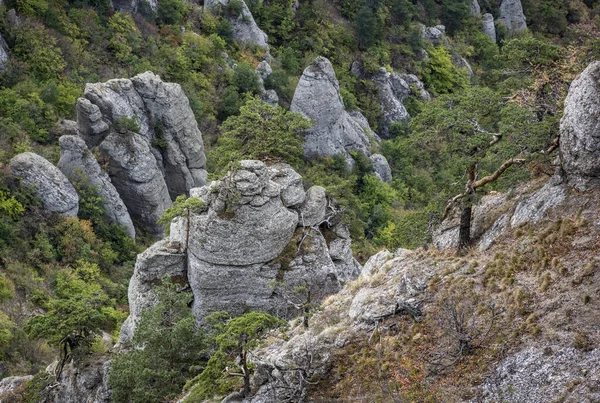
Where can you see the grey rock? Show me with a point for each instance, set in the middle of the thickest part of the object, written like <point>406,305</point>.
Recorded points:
<point>270,97</point>
<point>580,129</point>
<point>90,123</point>
<point>544,373</point>
<point>12,18</point>
<point>490,236</point>
<point>381,167</point>
<point>151,266</point>
<point>475,9</point>
<point>290,183</point>
<point>245,30</point>
<point>314,209</point>
<point>488,26</point>
<point>356,69</point>
<point>246,238</point>
<point>434,34</point>
<point>534,208</point>
<point>462,63</point>
<point>134,172</point>
<point>392,90</point>
<point>76,159</point>
<point>511,15</point>
<point>166,122</point>
<point>82,384</point>
<point>334,131</point>
<point>264,70</point>
<point>375,263</point>
<point>48,183</point>
<point>10,385</point>
<point>414,81</point>
<point>4,57</point>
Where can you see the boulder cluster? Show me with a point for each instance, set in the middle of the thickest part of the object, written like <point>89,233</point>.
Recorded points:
<point>136,142</point>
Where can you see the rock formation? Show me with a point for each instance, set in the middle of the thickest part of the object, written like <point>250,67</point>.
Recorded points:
<point>462,63</point>
<point>413,81</point>
<point>160,159</point>
<point>475,8</point>
<point>580,129</point>
<point>511,15</point>
<point>335,131</point>
<point>264,70</point>
<point>392,91</point>
<point>434,34</point>
<point>75,160</point>
<point>245,30</point>
<point>165,119</point>
<point>4,57</point>
<point>488,27</point>
<point>47,182</point>
<point>257,225</point>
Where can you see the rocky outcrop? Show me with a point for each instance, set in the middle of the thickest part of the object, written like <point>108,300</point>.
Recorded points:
<point>433,34</point>
<point>537,373</point>
<point>488,26</point>
<point>419,87</point>
<point>47,183</point>
<point>335,131</point>
<point>245,30</point>
<point>392,91</point>
<point>511,16</point>
<point>13,387</point>
<point>475,8</point>
<point>534,208</point>
<point>381,167</point>
<point>580,129</point>
<point>82,384</point>
<point>4,57</point>
<point>264,70</point>
<point>145,136</point>
<point>78,163</point>
<point>165,119</point>
<point>248,234</point>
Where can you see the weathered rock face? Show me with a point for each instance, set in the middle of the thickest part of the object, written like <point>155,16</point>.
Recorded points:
<point>488,26</point>
<point>165,119</point>
<point>434,34</point>
<point>537,373</point>
<point>381,167</point>
<point>83,385</point>
<point>48,183</point>
<point>135,174</point>
<point>414,81</point>
<point>4,57</point>
<point>11,388</point>
<point>580,129</point>
<point>392,91</point>
<point>475,8</point>
<point>335,131</point>
<point>511,15</point>
<point>248,235</point>
<point>264,70</point>
<point>75,160</point>
<point>245,30</point>
<point>462,63</point>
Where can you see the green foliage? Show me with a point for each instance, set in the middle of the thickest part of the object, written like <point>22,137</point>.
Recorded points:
<point>169,12</point>
<point>261,131</point>
<point>182,206</point>
<point>233,338</point>
<point>124,37</point>
<point>527,52</point>
<point>125,124</point>
<point>38,49</point>
<point>440,75</point>
<point>245,79</point>
<point>166,350</point>
<point>79,311</point>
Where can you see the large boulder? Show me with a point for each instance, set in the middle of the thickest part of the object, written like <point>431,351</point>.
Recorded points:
<point>512,17</point>
<point>335,131</point>
<point>488,26</point>
<point>247,236</point>
<point>580,129</point>
<point>165,120</point>
<point>245,29</point>
<point>392,90</point>
<point>48,183</point>
<point>134,172</point>
<point>77,162</point>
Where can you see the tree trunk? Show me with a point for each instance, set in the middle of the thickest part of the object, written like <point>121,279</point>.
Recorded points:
<point>246,372</point>
<point>464,232</point>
